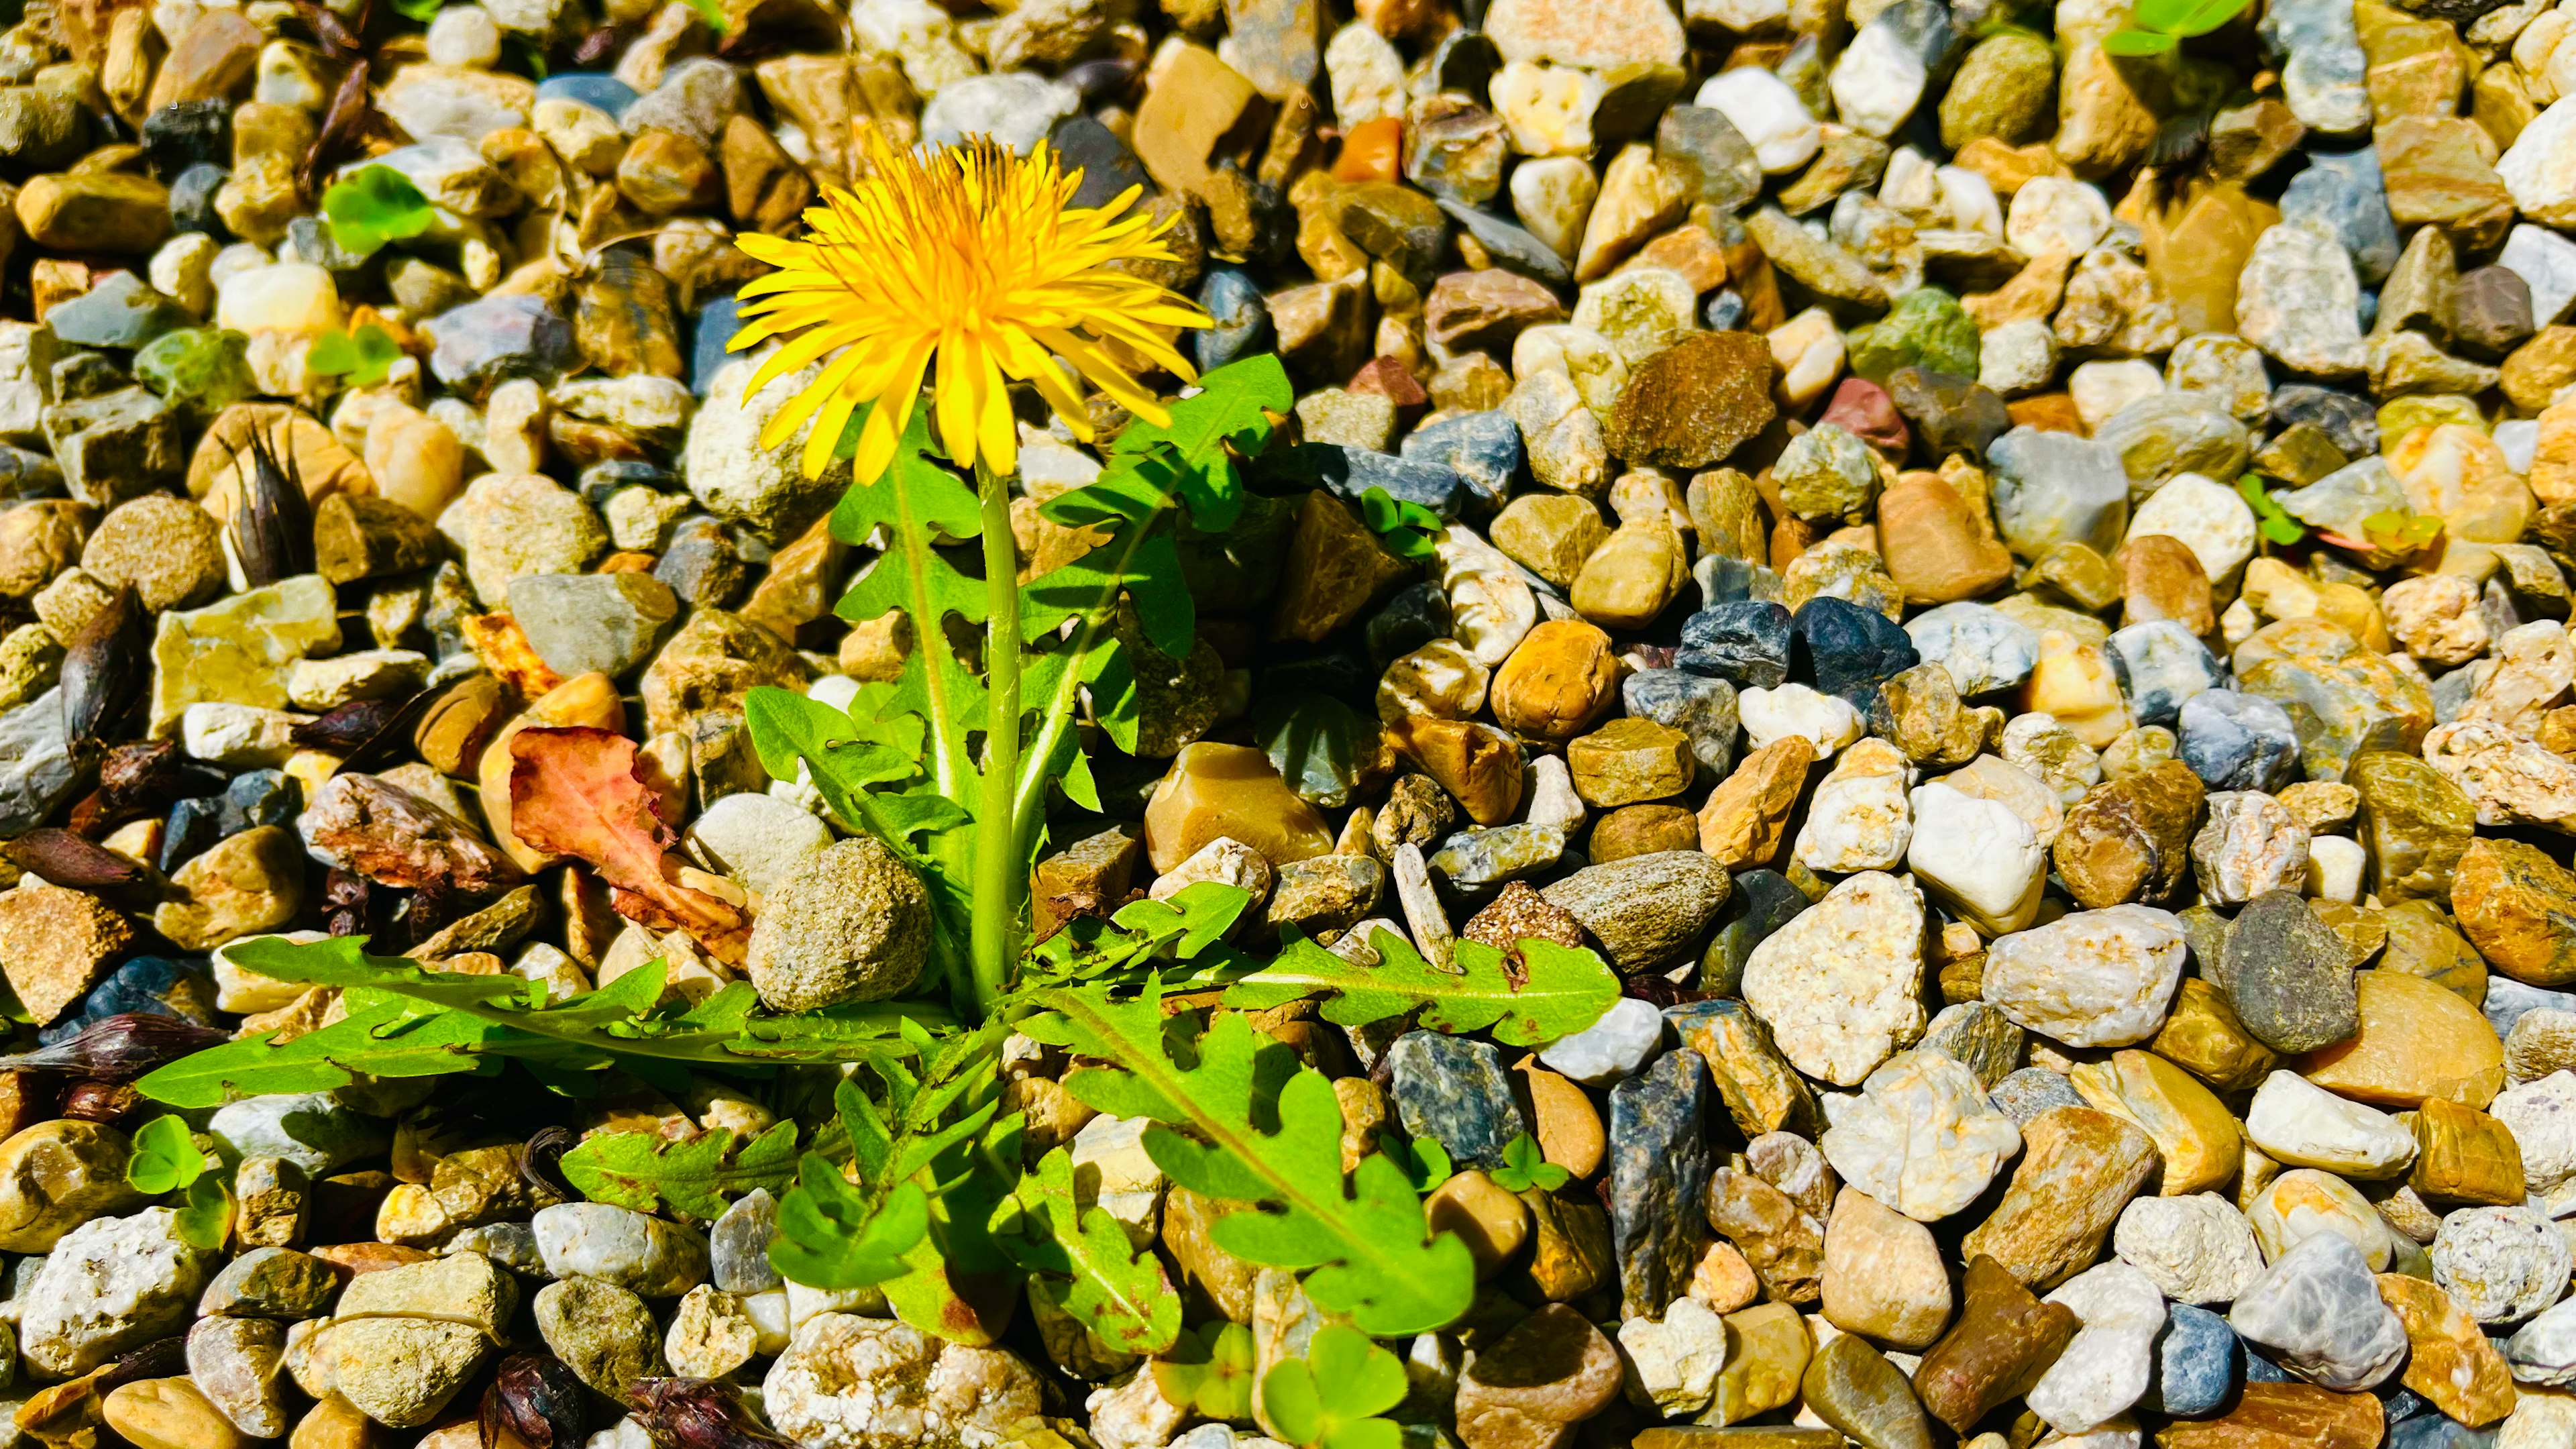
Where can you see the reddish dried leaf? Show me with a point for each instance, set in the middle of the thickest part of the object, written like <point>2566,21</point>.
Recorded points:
<point>580,791</point>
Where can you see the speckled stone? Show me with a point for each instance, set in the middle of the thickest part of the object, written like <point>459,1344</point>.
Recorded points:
<point>1659,1168</point>
<point>1454,1089</point>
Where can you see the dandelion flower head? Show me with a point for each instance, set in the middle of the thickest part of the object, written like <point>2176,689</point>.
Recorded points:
<point>967,264</point>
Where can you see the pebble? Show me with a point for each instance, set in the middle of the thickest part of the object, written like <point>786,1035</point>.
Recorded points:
<point>2319,1310</point>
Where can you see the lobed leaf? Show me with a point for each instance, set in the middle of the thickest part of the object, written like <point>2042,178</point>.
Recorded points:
<point>1561,990</point>
<point>1228,416</point>
<point>1364,1245</point>
<point>1120,1294</point>
<point>644,1171</point>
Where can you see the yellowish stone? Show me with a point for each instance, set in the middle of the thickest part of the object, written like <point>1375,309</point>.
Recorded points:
<point>2451,1362</point>
<point>2417,1041</point>
<point>2464,1155</point>
<point>2204,1038</point>
<point>2192,1129</point>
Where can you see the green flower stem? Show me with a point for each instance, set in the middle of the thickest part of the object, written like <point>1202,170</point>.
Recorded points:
<point>1001,884</point>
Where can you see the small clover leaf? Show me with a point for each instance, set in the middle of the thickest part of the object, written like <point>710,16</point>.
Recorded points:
<point>1209,1371</point>
<point>361,360</point>
<point>1405,528</point>
<point>375,205</point>
<point>1525,1167</point>
<point>1331,1398</point>
<point>165,1157</point>
<point>206,1218</point>
<point>2397,531</point>
<point>2273,522</point>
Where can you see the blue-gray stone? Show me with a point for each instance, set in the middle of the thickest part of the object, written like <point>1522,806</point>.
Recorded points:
<point>309,240</point>
<point>184,134</point>
<point>1454,1089</point>
<point>2198,1361</point>
<point>2398,1403</point>
<point>1742,641</point>
<point>1350,472</point>
<point>2024,1094</point>
<point>1659,1164</point>
<point>1726,579</point>
<point>597,89</point>
<point>2350,423</point>
<point>192,199</point>
<point>25,473</point>
<point>718,320</point>
<point>1416,614</point>
<point>2052,488</point>
<point>598,482</point>
<point>192,829</point>
<point>1848,651</point>
<point>1482,448</point>
<point>121,311</point>
<point>260,797</point>
<point>1724,311</point>
<point>2343,500</point>
<point>1107,164</point>
<point>1233,299</point>
<point>493,339</point>
<point>2165,666</point>
<point>143,986</point>
<point>2261,1370</point>
<point>2341,196</point>
<point>2236,741</point>
<point>1983,647</point>
<point>1700,707</point>
<point>2434,1431</point>
<point>2507,999</point>
<point>1476,863</point>
<point>1512,247</point>
<point>1762,902</point>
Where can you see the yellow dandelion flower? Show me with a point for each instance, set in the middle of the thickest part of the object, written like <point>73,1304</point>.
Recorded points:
<point>970,258</point>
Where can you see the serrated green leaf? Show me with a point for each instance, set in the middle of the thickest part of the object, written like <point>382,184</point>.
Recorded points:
<point>1086,1265</point>
<point>645,1171</point>
<point>2138,43</point>
<point>831,1237</point>
<point>165,1158</point>
<point>451,1022</point>
<point>1563,990</point>
<point>1364,1246</point>
<point>1230,409</point>
<point>375,205</point>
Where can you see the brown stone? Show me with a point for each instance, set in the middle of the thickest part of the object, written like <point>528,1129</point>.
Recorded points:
<point>169,1414</point>
<point>1642,830</point>
<point>1334,570</point>
<point>2161,578</point>
<point>1570,1249</point>
<point>56,943</point>
<point>1761,1091</point>
<point>1883,1274</point>
<point>2463,1155</point>
<point>2283,1416</point>
<point>1208,1274</point>
<point>1193,103</point>
<point>2203,1037</point>
<point>2451,1363</point>
<point>1477,763</point>
<point>1486,309</point>
<point>2518,907</point>
<point>1629,760</point>
<point>2079,1167</point>
<point>213,60</point>
<point>1230,791</point>
<point>1784,1244</point>
<point>333,1424</point>
<point>1562,676</point>
<point>2437,171</point>
<point>2535,371</point>
<point>1551,1372</point>
<point>1567,1125</point>
<point>2005,1339</point>
<point>1939,548</point>
<point>2416,1042</point>
<point>2130,839</point>
<point>764,187</point>
<point>1745,818</point>
<point>1693,403</point>
<point>1519,914</point>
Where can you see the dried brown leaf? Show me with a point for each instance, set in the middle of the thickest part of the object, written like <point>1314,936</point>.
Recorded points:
<point>581,792</point>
